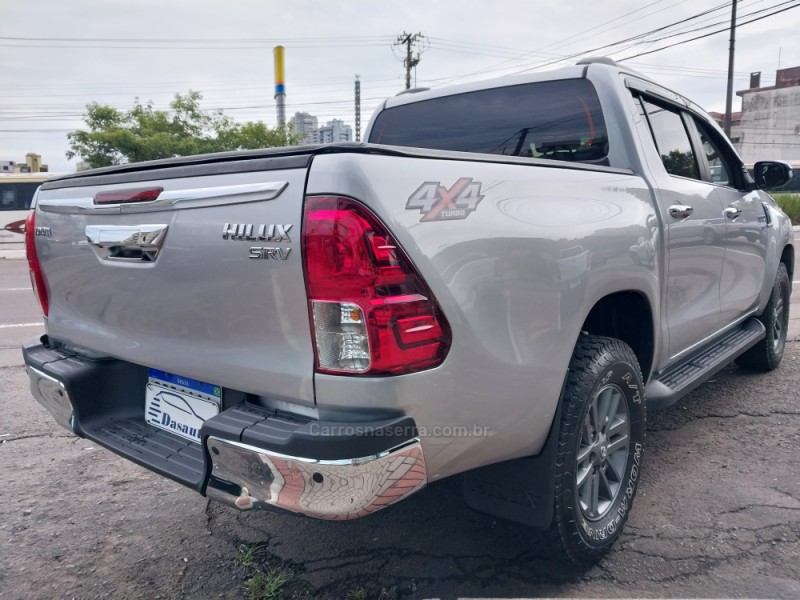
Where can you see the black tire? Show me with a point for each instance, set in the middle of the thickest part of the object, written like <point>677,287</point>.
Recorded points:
<point>602,371</point>
<point>767,354</point>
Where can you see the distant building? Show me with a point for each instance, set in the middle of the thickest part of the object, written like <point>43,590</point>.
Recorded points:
<point>769,123</point>
<point>335,131</point>
<point>736,125</point>
<point>306,125</point>
<point>33,164</point>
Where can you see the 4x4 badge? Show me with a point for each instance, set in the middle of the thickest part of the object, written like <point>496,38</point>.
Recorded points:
<point>437,203</point>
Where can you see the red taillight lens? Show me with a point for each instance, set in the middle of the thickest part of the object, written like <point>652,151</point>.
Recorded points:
<point>127,196</point>
<point>371,312</point>
<point>37,279</point>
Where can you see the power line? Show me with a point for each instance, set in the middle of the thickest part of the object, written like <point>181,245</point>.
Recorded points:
<point>723,22</point>
<point>43,114</point>
<point>639,36</point>
<point>501,65</point>
<point>172,40</point>
<point>699,37</point>
<point>642,38</point>
<point>680,28</point>
<point>344,43</point>
<point>255,88</point>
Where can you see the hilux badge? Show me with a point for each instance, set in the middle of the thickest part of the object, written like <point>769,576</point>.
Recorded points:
<point>268,233</point>
<point>437,203</point>
<point>248,231</point>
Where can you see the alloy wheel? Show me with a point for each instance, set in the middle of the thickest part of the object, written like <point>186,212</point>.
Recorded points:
<point>602,452</point>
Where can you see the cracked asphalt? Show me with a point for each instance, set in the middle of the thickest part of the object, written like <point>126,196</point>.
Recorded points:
<point>717,515</point>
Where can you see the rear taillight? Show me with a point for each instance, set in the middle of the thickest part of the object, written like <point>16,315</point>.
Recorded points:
<point>37,279</point>
<point>371,312</point>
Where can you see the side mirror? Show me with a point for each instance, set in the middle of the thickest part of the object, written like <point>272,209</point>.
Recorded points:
<point>16,226</point>
<point>771,174</point>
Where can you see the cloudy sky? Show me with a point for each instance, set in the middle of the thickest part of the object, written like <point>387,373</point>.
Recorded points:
<point>59,55</point>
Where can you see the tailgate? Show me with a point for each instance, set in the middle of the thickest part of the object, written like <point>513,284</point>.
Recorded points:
<point>205,281</point>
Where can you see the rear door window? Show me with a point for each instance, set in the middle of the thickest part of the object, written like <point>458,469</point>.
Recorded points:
<point>672,140</point>
<point>559,120</point>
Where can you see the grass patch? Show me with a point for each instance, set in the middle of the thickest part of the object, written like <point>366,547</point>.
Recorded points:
<point>357,593</point>
<point>388,594</point>
<point>790,204</point>
<point>250,555</point>
<point>268,585</point>
<point>267,577</point>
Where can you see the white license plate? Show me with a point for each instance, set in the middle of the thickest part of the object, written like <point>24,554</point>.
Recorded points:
<point>178,404</point>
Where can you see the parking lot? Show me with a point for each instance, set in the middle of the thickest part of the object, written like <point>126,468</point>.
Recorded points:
<point>717,514</point>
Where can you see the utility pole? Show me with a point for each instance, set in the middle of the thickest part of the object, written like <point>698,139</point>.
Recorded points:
<point>410,61</point>
<point>729,97</point>
<point>358,110</point>
<point>280,87</point>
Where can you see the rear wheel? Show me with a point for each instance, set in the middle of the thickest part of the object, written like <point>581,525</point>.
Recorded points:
<point>601,440</point>
<point>767,354</point>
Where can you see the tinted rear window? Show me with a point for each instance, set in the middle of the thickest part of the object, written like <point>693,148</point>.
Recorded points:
<point>560,120</point>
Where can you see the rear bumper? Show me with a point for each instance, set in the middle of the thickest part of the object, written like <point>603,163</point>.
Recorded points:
<point>250,457</point>
<point>52,394</point>
<point>247,477</point>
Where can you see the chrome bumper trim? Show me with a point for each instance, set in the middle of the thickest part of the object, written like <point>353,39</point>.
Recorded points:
<point>52,394</point>
<point>248,477</point>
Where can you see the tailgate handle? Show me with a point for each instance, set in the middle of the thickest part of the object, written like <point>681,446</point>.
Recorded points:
<point>129,243</point>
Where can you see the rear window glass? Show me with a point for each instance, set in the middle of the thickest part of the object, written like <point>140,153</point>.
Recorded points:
<point>560,120</point>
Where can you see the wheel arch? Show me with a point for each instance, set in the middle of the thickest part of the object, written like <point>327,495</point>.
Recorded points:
<point>627,316</point>
<point>787,258</point>
<point>510,489</point>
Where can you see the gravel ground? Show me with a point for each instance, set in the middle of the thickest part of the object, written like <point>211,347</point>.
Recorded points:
<point>717,515</point>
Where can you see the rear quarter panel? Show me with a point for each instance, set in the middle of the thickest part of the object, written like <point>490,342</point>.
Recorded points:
<point>516,279</point>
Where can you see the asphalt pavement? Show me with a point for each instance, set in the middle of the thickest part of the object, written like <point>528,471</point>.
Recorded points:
<point>20,315</point>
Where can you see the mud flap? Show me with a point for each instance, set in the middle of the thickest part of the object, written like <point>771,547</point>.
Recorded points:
<point>520,490</point>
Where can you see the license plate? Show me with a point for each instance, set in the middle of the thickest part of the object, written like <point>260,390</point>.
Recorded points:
<point>178,404</point>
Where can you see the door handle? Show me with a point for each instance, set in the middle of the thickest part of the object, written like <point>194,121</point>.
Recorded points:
<point>732,212</point>
<point>138,243</point>
<point>680,211</point>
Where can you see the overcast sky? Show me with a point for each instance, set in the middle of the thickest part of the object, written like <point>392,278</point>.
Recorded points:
<point>59,55</point>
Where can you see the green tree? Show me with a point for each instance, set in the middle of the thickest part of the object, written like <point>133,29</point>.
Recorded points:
<point>114,137</point>
<point>680,163</point>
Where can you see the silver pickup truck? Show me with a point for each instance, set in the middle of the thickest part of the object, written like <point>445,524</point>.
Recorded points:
<point>497,285</point>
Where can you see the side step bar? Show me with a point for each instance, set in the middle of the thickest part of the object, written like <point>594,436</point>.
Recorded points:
<point>677,380</point>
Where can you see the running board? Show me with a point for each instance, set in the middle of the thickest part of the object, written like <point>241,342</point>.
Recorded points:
<point>677,380</point>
